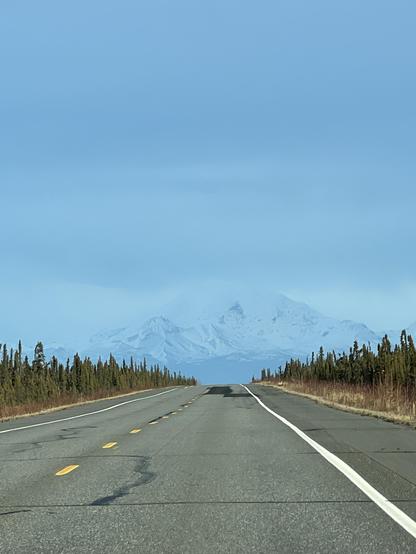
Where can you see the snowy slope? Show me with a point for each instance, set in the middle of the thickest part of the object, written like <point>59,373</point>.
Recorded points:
<point>158,339</point>
<point>234,338</point>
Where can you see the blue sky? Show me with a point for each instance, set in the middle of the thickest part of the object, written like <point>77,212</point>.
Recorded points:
<point>155,149</point>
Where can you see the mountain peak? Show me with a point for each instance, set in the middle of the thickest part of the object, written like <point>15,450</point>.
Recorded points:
<point>236,309</point>
<point>234,314</point>
<point>160,324</point>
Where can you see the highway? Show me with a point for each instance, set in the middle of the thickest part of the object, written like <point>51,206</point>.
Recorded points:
<point>206,469</point>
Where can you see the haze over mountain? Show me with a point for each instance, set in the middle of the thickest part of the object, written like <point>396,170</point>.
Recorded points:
<point>228,345</point>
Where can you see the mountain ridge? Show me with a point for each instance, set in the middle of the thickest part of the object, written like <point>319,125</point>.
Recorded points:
<point>235,338</point>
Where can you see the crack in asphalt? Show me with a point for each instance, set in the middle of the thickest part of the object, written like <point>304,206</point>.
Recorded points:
<point>14,512</point>
<point>146,476</point>
<point>197,503</point>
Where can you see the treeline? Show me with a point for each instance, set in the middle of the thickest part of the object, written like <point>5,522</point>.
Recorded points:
<point>387,365</point>
<point>39,381</point>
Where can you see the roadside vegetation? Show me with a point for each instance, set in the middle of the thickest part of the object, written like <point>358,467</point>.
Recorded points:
<point>31,386</point>
<point>380,380</point>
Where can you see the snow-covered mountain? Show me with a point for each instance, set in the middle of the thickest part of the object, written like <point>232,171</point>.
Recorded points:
<point>232,344</point>
<point>158,339</point>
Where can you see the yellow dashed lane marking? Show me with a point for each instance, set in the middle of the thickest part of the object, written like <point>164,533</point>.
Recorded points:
<point>109,445</point>
<point>134,431</point>
<point>66,470</point>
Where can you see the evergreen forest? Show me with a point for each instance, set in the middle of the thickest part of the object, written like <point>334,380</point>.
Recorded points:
<point>42,383</point>
<point>387,365</point>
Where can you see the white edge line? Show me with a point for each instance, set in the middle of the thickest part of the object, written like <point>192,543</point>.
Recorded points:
<point>84,415</point>
<point>388,507</point>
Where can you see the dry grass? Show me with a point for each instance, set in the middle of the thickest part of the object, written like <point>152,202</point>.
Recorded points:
<point>64,401</point>
<point>392,403</point>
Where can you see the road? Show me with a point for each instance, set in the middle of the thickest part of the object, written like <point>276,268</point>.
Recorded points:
<point>203,469</point>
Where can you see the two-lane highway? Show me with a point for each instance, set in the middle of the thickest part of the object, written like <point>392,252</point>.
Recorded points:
<point>202,469</point>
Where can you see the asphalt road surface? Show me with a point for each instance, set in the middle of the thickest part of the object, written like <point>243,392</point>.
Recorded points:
<point>205,469</point>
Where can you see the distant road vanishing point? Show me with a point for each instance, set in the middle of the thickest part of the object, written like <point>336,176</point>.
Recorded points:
<point>220,468</point>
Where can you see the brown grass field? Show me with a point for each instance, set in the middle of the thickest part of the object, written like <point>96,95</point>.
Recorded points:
<point>396,404</point>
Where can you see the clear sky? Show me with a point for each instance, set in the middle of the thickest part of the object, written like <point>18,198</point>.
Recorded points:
<point>160,148</point>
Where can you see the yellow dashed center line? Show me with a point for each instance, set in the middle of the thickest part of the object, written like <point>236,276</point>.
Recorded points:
<point>66,470</point>
<point>109,445</point>
<point>134,431</point>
